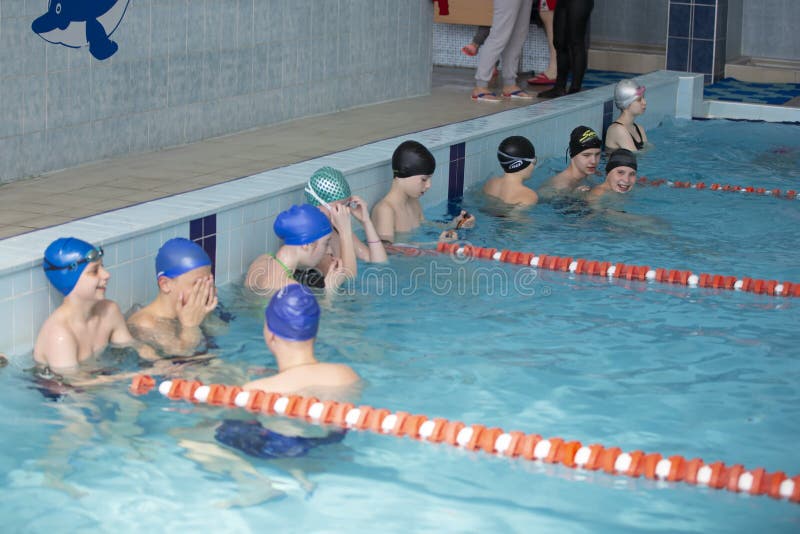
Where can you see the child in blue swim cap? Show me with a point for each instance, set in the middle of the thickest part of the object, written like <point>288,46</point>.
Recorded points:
<point>328,190</point>
<point>86,322</point>
<point>517,158</point>
<point>306,235</point>
<point>413,166</point>
<point>186,296</point>
<point>584,156</point>
<point>291,322</point>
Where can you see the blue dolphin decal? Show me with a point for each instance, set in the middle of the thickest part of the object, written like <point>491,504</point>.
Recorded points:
<point>74,23</point>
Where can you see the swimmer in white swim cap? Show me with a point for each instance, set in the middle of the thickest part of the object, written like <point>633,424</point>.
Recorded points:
<point>624,132</point>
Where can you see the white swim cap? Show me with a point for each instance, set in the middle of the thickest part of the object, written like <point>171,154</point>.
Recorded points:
<point>626,92</point>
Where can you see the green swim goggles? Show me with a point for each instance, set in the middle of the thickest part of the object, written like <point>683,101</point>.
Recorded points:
<point>93,255</point>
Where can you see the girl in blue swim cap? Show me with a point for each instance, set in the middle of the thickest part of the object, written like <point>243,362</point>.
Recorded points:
<point>306,234</point>
<point>86,322</point>
<point>413,166</point>
<point>186,297</point>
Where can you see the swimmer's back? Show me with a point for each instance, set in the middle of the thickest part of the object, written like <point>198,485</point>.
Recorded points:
<point>307,377</point>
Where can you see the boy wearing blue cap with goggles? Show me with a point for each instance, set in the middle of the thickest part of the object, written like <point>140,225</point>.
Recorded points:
<point>186,296</point>
<point>306,235</point>
<point>86,322</point>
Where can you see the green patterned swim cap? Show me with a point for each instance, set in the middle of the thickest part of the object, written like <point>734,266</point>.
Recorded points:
<point>327,185</point>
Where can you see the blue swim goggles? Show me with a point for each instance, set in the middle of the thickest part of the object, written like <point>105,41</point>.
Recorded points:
<point>93,255</point>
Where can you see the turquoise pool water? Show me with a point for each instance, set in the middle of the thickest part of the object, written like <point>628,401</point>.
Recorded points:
<point>662,368</point>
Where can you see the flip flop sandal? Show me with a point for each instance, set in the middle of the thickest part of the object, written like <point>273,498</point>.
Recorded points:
<point>486,97</point>
<point>470,50</point>
<point>541,79</point>
<point>518,95</point>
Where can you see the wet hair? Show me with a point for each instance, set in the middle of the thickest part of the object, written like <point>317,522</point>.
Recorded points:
<point>515,153</point>
<point>583,138</point>
<point>411,158</point>
<point>622,157</point>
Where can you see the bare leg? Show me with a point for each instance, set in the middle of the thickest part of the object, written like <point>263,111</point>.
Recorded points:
<point>547,20</point>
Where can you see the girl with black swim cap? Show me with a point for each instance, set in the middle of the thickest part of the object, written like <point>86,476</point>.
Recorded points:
<point>584,154</point>
<point>620,175</point>
<point>400,210</point>
<point>517,158</point>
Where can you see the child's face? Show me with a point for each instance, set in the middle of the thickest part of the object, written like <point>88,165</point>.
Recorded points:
<point>416,186</point>
<point>317,250</point>
<point>587,161</point>
<point>638,106</point>
<point>92,282</point>
<point>621,179</point>
<point>183,284</point>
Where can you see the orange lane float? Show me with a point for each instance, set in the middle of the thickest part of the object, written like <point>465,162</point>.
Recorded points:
<point>791,194</point>
<point>622,270</point>
<point>573,454</point>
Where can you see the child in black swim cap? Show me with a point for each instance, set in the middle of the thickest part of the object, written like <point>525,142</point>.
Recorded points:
<point>413,166</point>
<point>517,157</point>
<point>584,154</point>
<point>620,175</point>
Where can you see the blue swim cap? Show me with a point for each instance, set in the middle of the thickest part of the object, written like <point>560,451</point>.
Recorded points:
<point>178,256</point>
<point>293,313</point>
<point>65,259</point>
<point>301,225</point>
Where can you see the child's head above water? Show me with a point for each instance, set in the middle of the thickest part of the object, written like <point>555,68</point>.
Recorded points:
<point>65,259</point>
<point>583,138</point>
<point>412,159</point>
<point>516,153</point>
<point>301,225</point>
<point>626,92</point>
<point>293,314</point>
<point>327,185</point>
<point>179,256</point>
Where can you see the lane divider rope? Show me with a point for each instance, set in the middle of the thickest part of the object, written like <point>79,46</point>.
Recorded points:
<point>573,454</point>
<point>791,194</point>
<point>622,270</point>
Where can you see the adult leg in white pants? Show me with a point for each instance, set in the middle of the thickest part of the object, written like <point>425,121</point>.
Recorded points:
<point>510,23</point>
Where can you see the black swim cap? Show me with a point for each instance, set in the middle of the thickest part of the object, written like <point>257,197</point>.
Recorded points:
<point>583,138</point>
<point>411,159</point>
<point>515,153</point>
<point>621,157</point>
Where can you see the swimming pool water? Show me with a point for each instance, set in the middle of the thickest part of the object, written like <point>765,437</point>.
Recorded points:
<point>656,367</point>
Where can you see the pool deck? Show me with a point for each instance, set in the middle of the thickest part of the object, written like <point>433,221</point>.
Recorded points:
<point>63,196</point>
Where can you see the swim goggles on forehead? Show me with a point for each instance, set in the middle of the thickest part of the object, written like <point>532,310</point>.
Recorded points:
<point>93,255</point>
<point>510,158</point>
<point>310,191</point>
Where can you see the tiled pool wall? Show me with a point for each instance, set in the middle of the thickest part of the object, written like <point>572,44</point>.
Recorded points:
<point>187,70</point>
<point>233,221</point>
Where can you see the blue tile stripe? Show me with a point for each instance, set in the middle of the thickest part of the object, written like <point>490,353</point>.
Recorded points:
<point>455,186</point>
<point>203,231</point>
